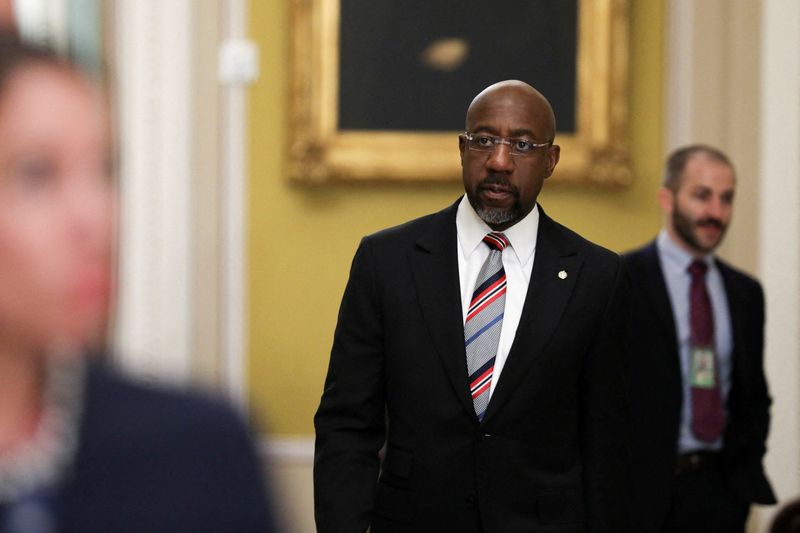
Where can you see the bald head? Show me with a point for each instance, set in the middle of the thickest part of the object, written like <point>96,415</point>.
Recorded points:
<point>503,181</point>
<point>521,100</point>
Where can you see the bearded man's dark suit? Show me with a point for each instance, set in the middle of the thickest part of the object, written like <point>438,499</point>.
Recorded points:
<point>550,454</point>
<point>655,389</point>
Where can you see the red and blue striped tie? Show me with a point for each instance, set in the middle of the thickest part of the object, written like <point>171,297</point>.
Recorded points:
<point>484,322</point>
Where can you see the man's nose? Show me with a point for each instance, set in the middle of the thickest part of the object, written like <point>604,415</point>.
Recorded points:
<point>500,159</point>
<point>717,208</point>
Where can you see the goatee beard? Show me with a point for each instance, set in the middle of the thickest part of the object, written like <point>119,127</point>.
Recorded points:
<point>495,217</point>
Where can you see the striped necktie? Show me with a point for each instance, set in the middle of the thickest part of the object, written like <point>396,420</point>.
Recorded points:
<point>484,322</point>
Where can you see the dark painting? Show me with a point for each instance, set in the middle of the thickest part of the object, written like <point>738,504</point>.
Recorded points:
<point>415,65</point>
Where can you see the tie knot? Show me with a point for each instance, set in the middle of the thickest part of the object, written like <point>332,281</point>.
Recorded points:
<point>698,268</point>
<point>496,241</point>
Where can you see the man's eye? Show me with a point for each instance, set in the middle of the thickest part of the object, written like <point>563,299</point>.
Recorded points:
<point>485,141</point>
<point>522,145</point>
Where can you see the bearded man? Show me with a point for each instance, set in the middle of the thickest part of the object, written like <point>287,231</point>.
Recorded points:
<point>698,396</point>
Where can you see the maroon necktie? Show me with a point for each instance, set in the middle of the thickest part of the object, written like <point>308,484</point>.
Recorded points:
<point>708,414</point>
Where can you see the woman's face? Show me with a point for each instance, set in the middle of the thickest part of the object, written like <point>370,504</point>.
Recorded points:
<point>56,210</point>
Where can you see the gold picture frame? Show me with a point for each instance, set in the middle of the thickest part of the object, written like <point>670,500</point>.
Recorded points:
<point>596,153</point>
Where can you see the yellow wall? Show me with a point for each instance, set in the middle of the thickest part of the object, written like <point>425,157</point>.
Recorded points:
<point>301,239</point>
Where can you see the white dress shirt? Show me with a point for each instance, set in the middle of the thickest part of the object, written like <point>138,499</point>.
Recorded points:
<point>517,262</point>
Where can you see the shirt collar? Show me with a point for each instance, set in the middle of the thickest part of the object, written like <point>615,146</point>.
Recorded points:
<point>471,230</point>
<point>675,256</point>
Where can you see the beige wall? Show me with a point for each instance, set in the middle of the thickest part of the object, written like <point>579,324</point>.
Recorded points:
<point>712,96</point>
<point>301,239</point>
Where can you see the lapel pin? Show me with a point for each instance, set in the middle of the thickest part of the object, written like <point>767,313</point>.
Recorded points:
<point>562,274</point>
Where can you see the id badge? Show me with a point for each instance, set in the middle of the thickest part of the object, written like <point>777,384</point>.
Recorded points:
<point>703,371</point>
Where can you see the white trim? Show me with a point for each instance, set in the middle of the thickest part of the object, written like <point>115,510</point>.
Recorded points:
<point>233,218</point>
<point>780,234</point>
<point>290,450</point>
<point>289,461</point>
<point>153,89</point>
<point>678,77</point>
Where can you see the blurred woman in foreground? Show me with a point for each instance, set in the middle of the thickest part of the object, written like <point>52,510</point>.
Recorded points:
<point>81,448</point>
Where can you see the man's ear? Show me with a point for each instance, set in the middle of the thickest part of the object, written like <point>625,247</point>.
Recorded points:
<point>666,199</point>
<point>553,156</point>
<point>462,145</point>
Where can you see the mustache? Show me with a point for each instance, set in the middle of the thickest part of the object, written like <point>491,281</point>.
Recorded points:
<point>714,222</point>
<point>498,181</point>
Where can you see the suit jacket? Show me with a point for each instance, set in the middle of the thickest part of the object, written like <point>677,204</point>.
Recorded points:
<point>550,453</point>
<point>153,459</point>
<point>655,388</point>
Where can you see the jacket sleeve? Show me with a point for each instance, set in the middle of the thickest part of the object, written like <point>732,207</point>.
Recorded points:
<point>350,421</point>
<point>759,407</point>
<point>605,431</point>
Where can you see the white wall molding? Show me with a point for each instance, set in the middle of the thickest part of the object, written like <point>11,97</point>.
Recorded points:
<point>182,312</point>
<point>234,220</point>
<point>678,91</point>
<point>290,467</point>
<point>779,242</point>
<point>288,450</point>
<point>153,90</point>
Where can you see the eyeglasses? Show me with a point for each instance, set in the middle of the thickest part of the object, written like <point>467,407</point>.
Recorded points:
<point>481,142</point>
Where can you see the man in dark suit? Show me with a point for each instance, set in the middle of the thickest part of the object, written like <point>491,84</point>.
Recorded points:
<point>483,345</point>
<point>699,400</point>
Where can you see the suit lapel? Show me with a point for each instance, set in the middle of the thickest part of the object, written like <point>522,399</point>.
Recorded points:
<point>548,293</point>
<point>434,266</point>
<point>737,311</point>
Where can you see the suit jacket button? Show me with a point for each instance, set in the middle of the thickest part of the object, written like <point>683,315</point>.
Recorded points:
<point>472,500</point>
